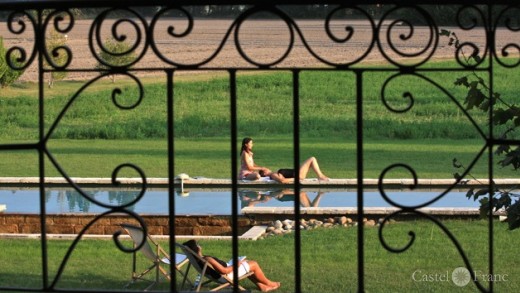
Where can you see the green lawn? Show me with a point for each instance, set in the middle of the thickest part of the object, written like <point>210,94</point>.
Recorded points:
<point>94,135</point>
<point>210,157</point>
<point>328,258</point>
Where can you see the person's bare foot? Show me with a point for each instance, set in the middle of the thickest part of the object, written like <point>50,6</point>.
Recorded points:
<point>324,178</point>
<point>267,288</point>
<point>263,287</point>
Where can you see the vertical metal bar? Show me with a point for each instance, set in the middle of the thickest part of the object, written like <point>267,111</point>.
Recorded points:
<point>491,43</point>
<point>360,170</point>
<point>40,46</point>
<point>171,165</point>
<point>234,174</point>
<point>297,216</point>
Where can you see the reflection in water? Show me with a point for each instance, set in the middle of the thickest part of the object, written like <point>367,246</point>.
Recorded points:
<point>249,198</point>
<point>76,202</point>
<point>216,202</point>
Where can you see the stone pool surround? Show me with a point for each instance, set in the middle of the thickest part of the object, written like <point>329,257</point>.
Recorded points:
<point>215,225</point>
<point>201,182</point>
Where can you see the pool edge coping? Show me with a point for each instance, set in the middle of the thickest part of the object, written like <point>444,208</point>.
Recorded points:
<point>253,234</point>
<point>216,182</point>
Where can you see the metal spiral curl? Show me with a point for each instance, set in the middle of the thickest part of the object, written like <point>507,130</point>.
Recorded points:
<point>140,35</point>
<point>413,236</point>
<point>406,95</point>
<point>136,248</point>
<point>83,231</point>
<point>16,53</point>
<point>58,20</point>
<point>468,46</point>
<point>171,31</point>
<point>114,95</point>
<point>350,31</point>
<point>386,219</point>
<point>250,12</point>
<point>380,184</point>
<point>117,91</point>
<point>507,15</point>
<point>398,21</point>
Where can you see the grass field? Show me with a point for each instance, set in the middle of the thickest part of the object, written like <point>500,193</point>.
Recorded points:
<point>264,107</point>
<point>97,135</point>
<point>210,157</point>
<point>425,267</point>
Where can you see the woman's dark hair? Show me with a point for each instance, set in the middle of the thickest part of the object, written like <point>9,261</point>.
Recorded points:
<point>245,141</point>
<point>192,244</point>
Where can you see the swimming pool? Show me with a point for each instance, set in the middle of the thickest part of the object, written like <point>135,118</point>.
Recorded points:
<point>214,202</point>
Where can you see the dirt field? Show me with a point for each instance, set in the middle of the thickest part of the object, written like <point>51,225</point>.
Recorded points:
<point>265,42</point>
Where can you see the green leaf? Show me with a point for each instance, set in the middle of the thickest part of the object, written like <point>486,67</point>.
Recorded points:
<point>501,116</point>
<point>516,122</point>
<point>456,164</point>
<point>457,176</point>
<point>502,149</point>
<point>475,55</point>
<point>444,32</point>
<point>480,193</point>
<point>462,81</point>
<point>504,201</point>
<point>474,98</point>
<point>450,43</point>
<point>513,215</point>
<point>485,105</point>
<point>469,194</point>
<point>484,207</point>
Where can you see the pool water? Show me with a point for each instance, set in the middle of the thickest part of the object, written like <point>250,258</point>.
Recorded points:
<point>207,202</point>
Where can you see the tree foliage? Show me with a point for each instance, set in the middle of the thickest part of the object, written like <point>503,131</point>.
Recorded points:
<point>479,98</point>
<point>54,41</point>
<point>115,54</point>
<point>8,75</point>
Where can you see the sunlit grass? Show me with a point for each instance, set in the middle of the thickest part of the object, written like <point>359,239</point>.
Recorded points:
<point>328,258</point>
<point>211,157</point>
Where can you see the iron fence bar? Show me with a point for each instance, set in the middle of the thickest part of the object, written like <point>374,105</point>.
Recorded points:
<point>360,190</point>
<point>297,187</point>
<point>491,45</point>
<point>234,173</point>
<point>171,169</point>
<point>39,35</point>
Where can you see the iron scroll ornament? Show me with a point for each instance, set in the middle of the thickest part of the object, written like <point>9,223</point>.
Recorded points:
<point>139,28</point>
<point>413,236</point>
<point>115,237</point>
<point>235,27</point>
<point>55,124</point>
<point>16,24</point>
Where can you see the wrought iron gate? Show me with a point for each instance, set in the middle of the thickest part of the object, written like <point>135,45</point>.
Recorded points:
<point>378,31</point>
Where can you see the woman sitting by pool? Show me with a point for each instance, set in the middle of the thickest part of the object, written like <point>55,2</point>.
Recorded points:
<point>248,169</point>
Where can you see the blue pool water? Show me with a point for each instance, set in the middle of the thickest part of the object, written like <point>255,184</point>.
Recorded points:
<point>205,202</point>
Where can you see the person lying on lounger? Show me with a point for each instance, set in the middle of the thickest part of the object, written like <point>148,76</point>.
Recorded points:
<point>250,171</point>
<point>220,267</point>
<point>287,175</point>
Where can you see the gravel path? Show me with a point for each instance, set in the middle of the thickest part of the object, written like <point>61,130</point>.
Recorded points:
<point>264,41</point>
